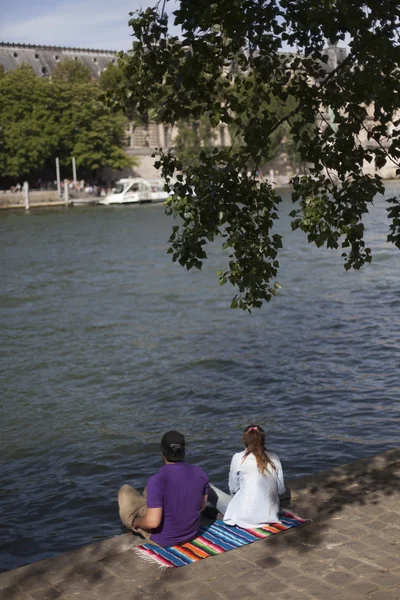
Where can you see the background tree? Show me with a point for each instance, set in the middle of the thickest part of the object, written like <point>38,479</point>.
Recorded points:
<point>41,118</point>
<point>194,136</point>
<point>281,138</point>
<point>28,128</point>
<point>111,78</point>
<point>225,67</point>
<point>87,129</point>
<point>71,70</point>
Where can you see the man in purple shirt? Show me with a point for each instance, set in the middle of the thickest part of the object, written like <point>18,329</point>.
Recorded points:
<point>168,513</point>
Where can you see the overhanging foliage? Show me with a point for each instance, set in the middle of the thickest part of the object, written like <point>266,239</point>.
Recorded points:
<point>226,67</point>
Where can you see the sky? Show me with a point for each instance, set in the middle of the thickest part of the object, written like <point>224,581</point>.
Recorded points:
<point>100,24</point>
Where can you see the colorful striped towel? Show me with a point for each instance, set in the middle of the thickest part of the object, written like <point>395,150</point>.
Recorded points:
<point>215,539</point>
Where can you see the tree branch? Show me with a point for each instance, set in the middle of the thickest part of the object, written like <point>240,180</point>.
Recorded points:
<point>330,76</point>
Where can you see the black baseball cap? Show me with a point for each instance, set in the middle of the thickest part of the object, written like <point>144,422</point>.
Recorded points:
<point>173,446</point>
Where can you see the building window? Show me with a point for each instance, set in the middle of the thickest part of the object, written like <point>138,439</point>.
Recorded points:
<point>95,59</point>
<point>44,70</point>
<point>57,57</point>
<point>37,56</point>
<point>15,55</point>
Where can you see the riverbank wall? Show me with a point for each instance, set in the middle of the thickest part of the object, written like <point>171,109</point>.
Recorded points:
<point>350,551</point>
<point>36,198</point>
<point>48,199</point>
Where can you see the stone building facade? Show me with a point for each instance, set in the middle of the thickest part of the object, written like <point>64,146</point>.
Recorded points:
<point>142,140</point>
<point>43,59</point>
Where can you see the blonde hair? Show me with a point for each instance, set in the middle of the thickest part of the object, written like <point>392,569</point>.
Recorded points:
<point>254,440</point>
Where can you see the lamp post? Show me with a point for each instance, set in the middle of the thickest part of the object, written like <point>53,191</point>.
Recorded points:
<point>58,177</point>
<point>74,171</point>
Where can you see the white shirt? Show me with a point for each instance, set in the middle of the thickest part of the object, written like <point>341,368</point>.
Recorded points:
<point>256,495</point>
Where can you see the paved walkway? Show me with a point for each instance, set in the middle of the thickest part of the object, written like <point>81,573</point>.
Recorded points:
<point>350,551</point>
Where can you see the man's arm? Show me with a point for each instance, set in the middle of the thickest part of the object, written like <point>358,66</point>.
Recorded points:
<point>204,502</point>
<point>151,520</point>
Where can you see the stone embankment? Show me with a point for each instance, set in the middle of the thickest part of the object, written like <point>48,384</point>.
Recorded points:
<point>351,551</point>
<point>36,199</point>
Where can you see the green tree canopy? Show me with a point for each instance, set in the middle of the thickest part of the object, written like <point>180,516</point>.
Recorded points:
<point>226,67</point>
<point>111,78</point>
<point>72,70</point>
<point>41,118</point>
<point>28,127</point>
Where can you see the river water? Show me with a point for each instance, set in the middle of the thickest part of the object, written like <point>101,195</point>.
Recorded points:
<point>106,345</point>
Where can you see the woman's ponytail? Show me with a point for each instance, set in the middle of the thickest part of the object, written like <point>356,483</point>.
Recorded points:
<point>254,440</point>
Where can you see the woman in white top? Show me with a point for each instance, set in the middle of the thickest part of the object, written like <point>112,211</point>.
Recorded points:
<point>255,483</point>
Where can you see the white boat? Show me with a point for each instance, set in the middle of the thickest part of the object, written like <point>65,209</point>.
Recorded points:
<point>84,201</point>
<point>157,193</point>
<point>134,190</point>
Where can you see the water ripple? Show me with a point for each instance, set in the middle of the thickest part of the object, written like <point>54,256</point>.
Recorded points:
<point>106,344</point>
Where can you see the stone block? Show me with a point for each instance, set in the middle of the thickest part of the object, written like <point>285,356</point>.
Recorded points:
<point>346,562</point>
<point>340,578</point>
<point>205,594</point>
<point>362,587</point>
<point>358,546</point>
<point>46,594</point>
<point>304,583</point>
<point>315,567</point>
<point>267,562</point>
<point>223,583</point>
<point>321,590</point>
<point>61,570</point>
<point>117,595</point>
<point>74,584</point>
<point>272,585</point>
<point>366,570</point>
<point>241,566</point>
<point>333,537</point>
<point>31,584</point>
<point>254,552</point>
<point>380,595</point>
<point>327,554</point>
<point>7,579</point>
<point>240,592</point>
<point>13,593</point>
<point>385,580</point>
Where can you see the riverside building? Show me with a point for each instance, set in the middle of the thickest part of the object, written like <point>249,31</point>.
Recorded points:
<point>142,140</point>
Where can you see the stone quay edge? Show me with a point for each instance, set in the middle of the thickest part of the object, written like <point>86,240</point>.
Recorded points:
<point>350,551</point>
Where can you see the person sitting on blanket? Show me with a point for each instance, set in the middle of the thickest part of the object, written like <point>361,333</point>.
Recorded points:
<point>255,482</point>
<point>168,512</point>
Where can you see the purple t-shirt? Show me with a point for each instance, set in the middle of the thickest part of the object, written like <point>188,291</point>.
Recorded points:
<point>178,489</point>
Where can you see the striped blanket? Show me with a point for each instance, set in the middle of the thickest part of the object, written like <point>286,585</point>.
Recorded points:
<point>215,539</point>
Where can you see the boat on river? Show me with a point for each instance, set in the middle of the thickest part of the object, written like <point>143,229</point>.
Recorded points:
<point>136,190</point>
